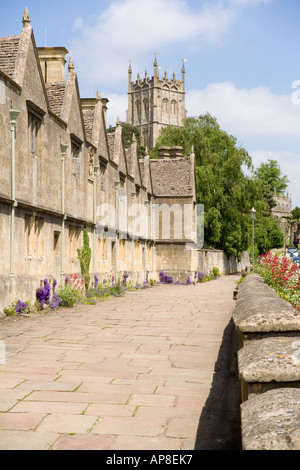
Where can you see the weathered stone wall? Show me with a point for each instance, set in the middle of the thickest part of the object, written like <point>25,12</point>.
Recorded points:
<point>269,367</point>
<point>207,259</point>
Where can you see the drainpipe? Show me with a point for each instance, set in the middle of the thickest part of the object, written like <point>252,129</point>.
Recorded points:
<point>153,234</point>
<point>146,234</point>
<point>96,169</point>
<point>117,184</point>
<point>133,235</point>
<point>63,149</point>
<point>13,119</point>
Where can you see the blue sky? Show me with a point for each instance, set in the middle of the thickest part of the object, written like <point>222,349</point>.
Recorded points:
<point>242,60</point>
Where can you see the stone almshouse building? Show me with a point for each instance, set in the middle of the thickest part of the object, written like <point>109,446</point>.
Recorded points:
<point>60,171</point>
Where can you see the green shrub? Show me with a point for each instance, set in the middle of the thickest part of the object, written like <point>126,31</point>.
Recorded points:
<point>84,257</point>
<point>216,271</point>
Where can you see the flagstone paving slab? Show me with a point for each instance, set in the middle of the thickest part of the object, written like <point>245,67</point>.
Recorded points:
<point>133,373</point>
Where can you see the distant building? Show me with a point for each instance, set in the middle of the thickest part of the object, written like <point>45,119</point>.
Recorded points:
<point>283,206</point>
<point>154,103</point>
<point>282,211</point>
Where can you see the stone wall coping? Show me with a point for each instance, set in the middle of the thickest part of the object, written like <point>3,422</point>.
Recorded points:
<point>260,309</point>
<point>271,359</point>
<point>270,421</point>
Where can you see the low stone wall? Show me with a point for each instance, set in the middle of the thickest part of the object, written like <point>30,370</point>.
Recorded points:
<point>269,367</point>
<point>207,259</point>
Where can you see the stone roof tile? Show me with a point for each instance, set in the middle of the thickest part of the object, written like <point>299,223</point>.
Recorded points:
<point>172,177</point>
<point>88,118</point>
<point>8,54</point>
<point>111,144</point>
<point>56,93</point>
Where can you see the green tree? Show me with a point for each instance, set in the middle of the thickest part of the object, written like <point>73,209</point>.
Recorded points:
<point>127,132</point>
<point>296,213</point>
<point>84,256</point>
<point>271,174</point>
<point>222,186</point>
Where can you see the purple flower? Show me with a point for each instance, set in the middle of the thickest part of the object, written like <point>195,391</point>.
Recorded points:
<point>20,306</point>
<point>165,279</point>
<point>43,293</point>
<point>125,276</point>
<point>96,280</point>
<point>56,301</point>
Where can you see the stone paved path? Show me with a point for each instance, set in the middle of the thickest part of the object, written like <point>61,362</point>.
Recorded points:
<point>153,370</point>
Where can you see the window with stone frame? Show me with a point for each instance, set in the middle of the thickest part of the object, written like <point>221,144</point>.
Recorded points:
<point>139,111</point>
<point>173,106</point>
<point>76,147</point>
<point>146,109</point>
<point>102,177</point>
<point>74,240</point>
<point>165,105</point>
<point>34,236</point>
<point>122,250</point>
<point>56,242</point>
<point>35,124</point>
<point>103,249</point>
<point>34,133</point>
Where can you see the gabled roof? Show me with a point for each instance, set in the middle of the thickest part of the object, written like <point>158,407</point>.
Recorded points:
<point>144,164</point>
<point>133,164</point>
<point>116,150</point>
<point>88,119</point>
<point>56,94</point>
<point>172,177</point>
<point>111,143</point>
<point>9,47</point>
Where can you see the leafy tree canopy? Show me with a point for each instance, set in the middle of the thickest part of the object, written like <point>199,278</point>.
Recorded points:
<point>271,174</point>
<point>127,132</point>
<point>222,186</point>
<point>296,213</point>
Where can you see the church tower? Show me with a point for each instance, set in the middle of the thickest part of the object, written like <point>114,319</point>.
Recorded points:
<point>154,103</point>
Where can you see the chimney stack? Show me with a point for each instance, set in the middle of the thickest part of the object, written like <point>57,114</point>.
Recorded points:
<point>163,152</point>
<point>52,60</point>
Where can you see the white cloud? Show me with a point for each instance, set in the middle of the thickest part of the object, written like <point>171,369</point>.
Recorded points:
<point>129,29</point>
<point>242,3</point>
<point>116,107</point>
<point>242,112</point>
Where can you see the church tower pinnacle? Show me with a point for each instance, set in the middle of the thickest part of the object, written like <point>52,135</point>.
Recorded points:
<point>156,102</point>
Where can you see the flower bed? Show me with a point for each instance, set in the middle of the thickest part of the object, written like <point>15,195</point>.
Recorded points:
<point>283,275</point>
<point>72,291</point>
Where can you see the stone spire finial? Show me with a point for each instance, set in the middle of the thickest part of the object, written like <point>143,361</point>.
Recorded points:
<point>98,96</point>
<point>26,18</point>
<point>156,74</point>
